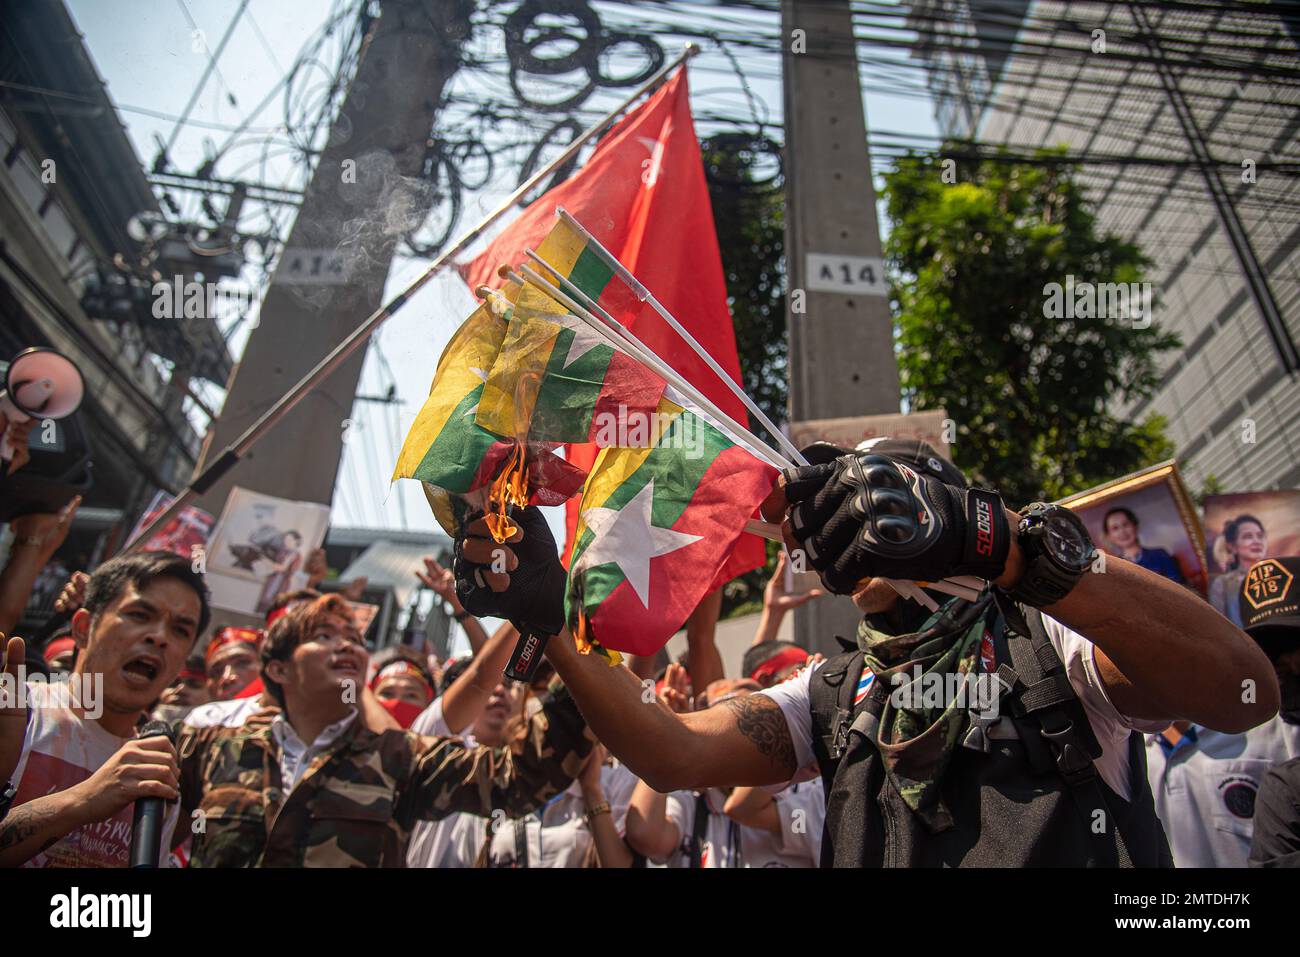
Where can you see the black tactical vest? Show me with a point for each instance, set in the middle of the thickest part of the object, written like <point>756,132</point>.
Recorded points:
<point>1031,801</point>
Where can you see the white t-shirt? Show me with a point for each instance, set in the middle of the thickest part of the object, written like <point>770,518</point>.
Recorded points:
<point>802,812</point>
<point>557,835</point>
<point>1205,790</point>
<point>801,809</point>
<point>62,749</point>
<point>722,841</point>
<point>1078,654</point>
<point>455,840</point>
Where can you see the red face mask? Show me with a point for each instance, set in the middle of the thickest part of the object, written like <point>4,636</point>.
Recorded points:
<point>403,712</point>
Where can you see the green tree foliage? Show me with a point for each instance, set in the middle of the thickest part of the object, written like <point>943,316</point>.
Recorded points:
<point>1032,397</point>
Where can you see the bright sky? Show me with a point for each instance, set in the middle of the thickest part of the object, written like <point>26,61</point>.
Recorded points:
<point>151,60</point>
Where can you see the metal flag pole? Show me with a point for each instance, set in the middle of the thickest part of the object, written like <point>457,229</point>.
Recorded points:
<point>645,295</point>
<point>620,337</point>
<point>233,453</point>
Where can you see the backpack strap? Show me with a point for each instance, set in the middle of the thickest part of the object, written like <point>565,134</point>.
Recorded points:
<point>521,842</point>
<point>695,843</point>
<point>830,693</point>
<point>1046,709</point>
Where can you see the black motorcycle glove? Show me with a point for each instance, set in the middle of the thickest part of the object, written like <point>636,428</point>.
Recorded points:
<point>865,515</point>
<point>534,599</point>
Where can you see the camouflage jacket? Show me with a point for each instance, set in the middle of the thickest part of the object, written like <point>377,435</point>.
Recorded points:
<point>355,805</point>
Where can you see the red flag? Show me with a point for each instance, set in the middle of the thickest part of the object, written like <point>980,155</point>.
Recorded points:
<point>643,195</point>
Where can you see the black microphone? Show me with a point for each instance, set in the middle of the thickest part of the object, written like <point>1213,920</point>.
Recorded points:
<point>147,825</point>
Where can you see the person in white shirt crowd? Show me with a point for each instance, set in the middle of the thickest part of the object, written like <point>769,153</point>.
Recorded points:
<point>476,705</point>
<point>70,749</point>
<point>187,692</point>
<point>792,819</point>
<point>581,827</point>
<point>723,827</point>
<point>1205,782</point>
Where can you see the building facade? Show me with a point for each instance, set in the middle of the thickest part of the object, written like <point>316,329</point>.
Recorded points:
<point>1177,89</point>
<point>83,243</point>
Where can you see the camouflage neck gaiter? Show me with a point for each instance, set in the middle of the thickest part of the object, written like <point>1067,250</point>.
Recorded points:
<point>917,739</point>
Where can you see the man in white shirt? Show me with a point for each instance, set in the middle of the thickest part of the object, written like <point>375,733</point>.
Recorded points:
<point>1205,782</point>
<point>79,767</point>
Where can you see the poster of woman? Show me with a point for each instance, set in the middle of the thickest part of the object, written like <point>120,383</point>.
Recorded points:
<point>1149,519</point>
<point>1241,529</point>
<point>258,549</point>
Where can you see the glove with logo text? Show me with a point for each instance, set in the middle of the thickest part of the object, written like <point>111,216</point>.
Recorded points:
<point>865,515</point>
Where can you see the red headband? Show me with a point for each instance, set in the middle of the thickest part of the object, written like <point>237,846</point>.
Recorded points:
<point>231,636</point>
<point>397,668</point>
<point>779,662</point>
<point>59,646</point>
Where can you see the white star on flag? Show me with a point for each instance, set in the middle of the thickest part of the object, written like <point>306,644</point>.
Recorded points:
<point>482,374</point>
<point>584,340</point>
<point>627,538</point>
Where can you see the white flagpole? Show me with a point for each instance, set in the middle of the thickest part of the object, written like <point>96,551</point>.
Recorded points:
<point>644,294</point>
<point>620,339</point>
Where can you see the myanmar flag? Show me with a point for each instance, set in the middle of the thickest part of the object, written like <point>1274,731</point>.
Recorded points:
<point>450,452</point>
<point>655,526</point>
<point>643,194</point>
<point>576,387</point>
<point>445,446</point>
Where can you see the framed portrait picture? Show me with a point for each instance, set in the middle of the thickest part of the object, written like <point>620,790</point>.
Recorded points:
<point>1149,519</point>
<point>259,547</point>
<point>1241,529</point>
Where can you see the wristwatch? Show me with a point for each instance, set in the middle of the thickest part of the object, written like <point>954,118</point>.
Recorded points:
<point>1058,551</point>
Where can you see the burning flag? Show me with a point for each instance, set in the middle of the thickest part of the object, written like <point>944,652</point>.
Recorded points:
<point>584,389</point>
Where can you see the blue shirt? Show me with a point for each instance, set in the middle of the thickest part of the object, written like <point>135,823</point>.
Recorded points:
<point>1161,562</point>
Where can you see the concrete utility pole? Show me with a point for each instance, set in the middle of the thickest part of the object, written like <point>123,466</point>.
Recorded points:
<point>363,196</point>
<point>841,335</point>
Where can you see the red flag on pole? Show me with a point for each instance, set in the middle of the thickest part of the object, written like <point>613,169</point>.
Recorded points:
<point>642,194</point>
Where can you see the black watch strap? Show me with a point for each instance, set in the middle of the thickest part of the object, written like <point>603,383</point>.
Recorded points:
<point>1044,581</point>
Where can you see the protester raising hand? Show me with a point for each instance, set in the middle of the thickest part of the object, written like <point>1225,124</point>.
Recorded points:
<point>13,714</point>
<point>676,692</point>
<point>775,595</point>
<point>36,538</point>
<point>18,433</point>
<point>777,600</point>
<point>443,584</point>
<point>73,595</point>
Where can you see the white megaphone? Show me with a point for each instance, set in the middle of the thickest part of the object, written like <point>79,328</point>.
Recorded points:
<point>40,384</point>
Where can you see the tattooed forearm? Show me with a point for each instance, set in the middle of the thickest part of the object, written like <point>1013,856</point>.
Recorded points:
<point>759,718</point>
<point>20,826</point>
